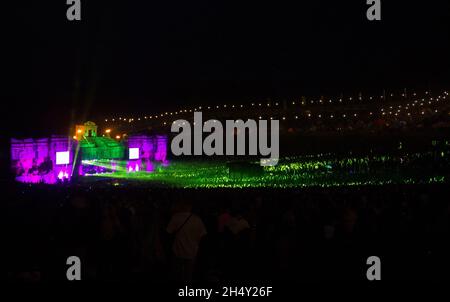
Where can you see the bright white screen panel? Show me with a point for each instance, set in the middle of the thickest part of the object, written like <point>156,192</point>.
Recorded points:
<point>134,153</point>
<point>62,158</point>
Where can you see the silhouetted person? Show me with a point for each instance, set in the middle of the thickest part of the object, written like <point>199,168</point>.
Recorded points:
<point>187,229</point>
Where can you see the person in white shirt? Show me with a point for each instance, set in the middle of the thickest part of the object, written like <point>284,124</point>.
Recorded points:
<point>188,230</point>
<point>236,224</point>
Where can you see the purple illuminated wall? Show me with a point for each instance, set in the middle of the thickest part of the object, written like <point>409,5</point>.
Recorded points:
<point>34,160</point>
<point>161,149</point>
<point>151,148</point>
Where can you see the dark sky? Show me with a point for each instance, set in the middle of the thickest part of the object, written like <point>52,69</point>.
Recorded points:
<point>147,56</point>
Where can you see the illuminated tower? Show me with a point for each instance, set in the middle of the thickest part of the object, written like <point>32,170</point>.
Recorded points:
<point>88,129</point>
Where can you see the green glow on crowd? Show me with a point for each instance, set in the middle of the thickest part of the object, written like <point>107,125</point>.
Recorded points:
<point>322,170</point>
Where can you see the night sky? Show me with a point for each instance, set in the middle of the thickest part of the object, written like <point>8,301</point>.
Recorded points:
<point>129,57</point>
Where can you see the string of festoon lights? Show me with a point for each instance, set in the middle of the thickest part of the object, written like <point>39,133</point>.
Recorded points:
<point>407,108</point>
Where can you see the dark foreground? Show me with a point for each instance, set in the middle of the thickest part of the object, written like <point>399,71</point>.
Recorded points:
<point>302,235</point>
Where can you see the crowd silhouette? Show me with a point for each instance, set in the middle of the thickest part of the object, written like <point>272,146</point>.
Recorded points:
<point>138,234</point>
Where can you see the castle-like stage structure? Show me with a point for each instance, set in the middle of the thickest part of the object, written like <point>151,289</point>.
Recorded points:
<point>62,159</point>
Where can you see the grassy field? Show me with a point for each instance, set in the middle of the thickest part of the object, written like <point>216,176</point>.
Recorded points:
<point>318,170</point>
